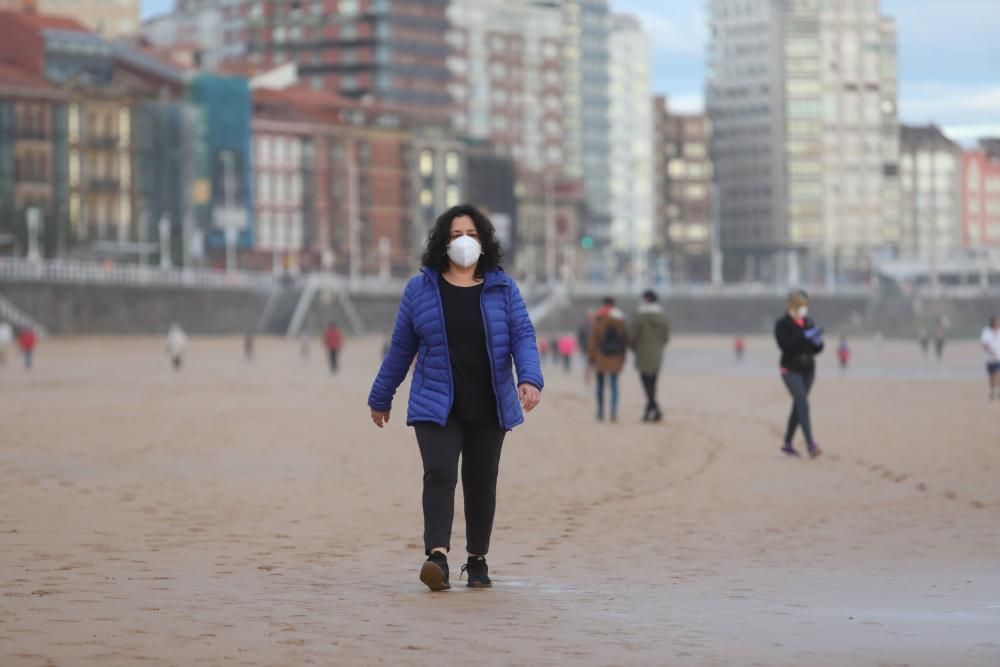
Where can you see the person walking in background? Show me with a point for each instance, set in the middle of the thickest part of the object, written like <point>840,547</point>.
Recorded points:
<point>27,340</point>
<point>543,348</point>
<point>940,336</point>
<point>333,341</point>
<point>554,348</point>
<point>925,341</point>
<point>465,321</point>
<point>176,342</point>
<point>843,353</point>
<point>650,333</point>
<point>739,347</point>
<point>606,351</point>
<point>799,340</point>
<point>990,338</point>
<point>248,341</point>
<point>567,348</point>
<point>6,338</point>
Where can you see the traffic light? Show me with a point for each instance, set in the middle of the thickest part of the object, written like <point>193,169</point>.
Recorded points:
<point>587,242</point>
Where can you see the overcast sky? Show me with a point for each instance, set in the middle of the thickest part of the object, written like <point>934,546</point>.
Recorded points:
<point>949,57</point>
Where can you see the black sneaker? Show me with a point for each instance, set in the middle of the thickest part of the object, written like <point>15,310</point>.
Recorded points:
<point>434,573</point>
<point>478,572</point>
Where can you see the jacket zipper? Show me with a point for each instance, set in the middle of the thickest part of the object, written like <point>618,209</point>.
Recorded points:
<point>444,335</point>
<point>489,353</point>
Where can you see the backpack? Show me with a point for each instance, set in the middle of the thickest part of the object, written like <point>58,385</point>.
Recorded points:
<point>612,342</point>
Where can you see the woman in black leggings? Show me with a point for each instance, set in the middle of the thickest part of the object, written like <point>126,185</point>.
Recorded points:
<point>464,320</point>
<point>800,341</point>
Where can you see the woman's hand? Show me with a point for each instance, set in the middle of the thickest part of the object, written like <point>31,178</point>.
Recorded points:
<point>380,418</point>
<point>530,396</point>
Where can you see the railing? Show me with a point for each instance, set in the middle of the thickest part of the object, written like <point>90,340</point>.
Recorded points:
<point>74,272</point>
<point>11,313</point>
<point>138,275</point>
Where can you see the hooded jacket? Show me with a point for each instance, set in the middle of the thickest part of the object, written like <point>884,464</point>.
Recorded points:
<point>420,332</point>
<point>650,333</point>
<point>607,318</point>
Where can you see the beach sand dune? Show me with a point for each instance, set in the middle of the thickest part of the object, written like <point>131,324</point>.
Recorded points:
<point>251,514</point>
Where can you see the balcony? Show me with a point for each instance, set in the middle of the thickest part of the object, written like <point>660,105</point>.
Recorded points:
<point>103,185</point>
<point>31,134</point>
<point>103,142</point>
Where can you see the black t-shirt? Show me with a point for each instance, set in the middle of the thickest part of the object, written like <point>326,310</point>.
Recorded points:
<point>470,361</point>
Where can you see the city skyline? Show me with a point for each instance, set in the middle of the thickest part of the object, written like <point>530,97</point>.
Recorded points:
<point>964,100</point>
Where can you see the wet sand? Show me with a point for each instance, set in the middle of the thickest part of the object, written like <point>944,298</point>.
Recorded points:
<point>252,515</point>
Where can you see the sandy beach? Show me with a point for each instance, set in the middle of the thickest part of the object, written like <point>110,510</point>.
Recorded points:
<point>251,514</point>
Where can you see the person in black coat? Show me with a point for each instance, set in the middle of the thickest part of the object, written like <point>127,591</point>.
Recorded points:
<point>800,340</point>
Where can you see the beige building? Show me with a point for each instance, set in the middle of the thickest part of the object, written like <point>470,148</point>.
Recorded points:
<point>110,18</point>
<point>803,102</point>
<point>932,208</point>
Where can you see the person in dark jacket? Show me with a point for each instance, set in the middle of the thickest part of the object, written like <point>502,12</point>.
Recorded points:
<point>333,341</point>
<point>800,340</point>
<point>465,321</point>
<point>649,335</point>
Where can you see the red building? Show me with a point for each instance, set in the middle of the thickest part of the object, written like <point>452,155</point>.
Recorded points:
<point>387,51</point>
<point>981,196</point>
<point>321,160</point>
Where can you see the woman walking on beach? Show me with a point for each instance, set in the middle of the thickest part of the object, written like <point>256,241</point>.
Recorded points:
<point>800,340</point>
<point>466,323</point>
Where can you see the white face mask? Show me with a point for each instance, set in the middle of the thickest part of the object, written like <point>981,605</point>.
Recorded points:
<point>802,312</point>
<point>465,251</point>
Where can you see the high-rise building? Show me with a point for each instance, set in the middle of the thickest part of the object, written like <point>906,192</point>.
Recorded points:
<point>930,169</point>
<point>981,195</point>
<point>389,51</point>
<point>683,185</point>
<point>586,30</point>
<point>507,85</point>
<point>803,102</point>
<point>631,153</point>
<point>108,19</point>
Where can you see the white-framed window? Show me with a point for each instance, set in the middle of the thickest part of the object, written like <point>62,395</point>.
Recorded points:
<point>426,163</point>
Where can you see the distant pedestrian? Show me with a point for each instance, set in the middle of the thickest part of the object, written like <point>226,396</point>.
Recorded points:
<point>465,321</point>
<point>607,346</point>
<point>567,348</point>
<point>544,346</point>
<point>925,341</point>
<point>843,353</point>
<point>650,333</point>
<point>248,342</point>
<point>990,339</point>
<point>176,342</point>
<point>940,337</point>
<point>554,348</point>
<point>800,340</point>
<point>333,341</point>
<point>6,338</point>
<point>583,333</point>
<point>27,339</point>
<point>739,347</point>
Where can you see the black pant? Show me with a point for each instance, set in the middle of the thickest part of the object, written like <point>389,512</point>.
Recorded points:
<point>440,446</point>
<point>649,386</point>
<point>799,385</point>
<point>333,361</point>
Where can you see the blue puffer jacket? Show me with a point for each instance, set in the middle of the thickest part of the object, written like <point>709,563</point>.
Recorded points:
<point>420,331</point>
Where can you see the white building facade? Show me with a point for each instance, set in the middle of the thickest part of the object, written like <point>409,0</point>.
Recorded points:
<point>632,200</point>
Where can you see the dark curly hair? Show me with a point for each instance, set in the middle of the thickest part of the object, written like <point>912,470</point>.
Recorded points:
<point>436,255</point>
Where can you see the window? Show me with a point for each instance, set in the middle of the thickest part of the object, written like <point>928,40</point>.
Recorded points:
<point>263,192</point>
<point>348,7</point>
<point>677,169</point>
<point>452,165</point>
<point>426,163</point>
<point>426,198</point>
<point>451,196</point>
